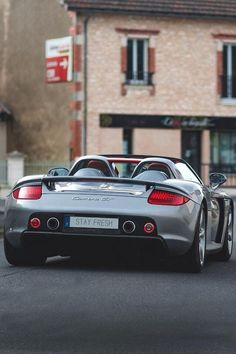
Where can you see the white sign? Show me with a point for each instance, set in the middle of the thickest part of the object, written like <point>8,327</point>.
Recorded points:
<point>59,59</point>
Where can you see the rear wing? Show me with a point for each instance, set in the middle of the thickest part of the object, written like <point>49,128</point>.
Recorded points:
<point>49,182</point>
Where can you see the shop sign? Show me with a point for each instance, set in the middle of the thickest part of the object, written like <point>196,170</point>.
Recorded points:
<point>59,60</point>
<point>166,122</point>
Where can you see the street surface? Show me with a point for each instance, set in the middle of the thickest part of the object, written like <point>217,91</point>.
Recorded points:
<point>105,307</point>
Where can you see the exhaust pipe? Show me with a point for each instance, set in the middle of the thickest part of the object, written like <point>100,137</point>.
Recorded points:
<point>53,224</point>
<point>129,227</point>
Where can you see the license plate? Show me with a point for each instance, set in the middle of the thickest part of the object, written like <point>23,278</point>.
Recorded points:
<point>91,222</point>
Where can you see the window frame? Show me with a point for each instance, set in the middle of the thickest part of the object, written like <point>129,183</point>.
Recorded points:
<point>135,62</point>
<point>228,97</point>
<point>217,151</point>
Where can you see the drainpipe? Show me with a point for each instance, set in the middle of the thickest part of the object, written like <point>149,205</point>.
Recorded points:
<point>85,84</point>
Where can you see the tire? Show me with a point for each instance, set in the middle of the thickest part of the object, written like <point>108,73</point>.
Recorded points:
<point>227,249</point>
<point>195,258</point>
<point>22,257</point>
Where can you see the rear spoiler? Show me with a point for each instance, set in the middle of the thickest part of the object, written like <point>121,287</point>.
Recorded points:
<point>49,181</point>
<point>103,180</point>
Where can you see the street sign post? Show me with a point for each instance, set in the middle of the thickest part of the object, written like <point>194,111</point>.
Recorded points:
<point>59,60</point>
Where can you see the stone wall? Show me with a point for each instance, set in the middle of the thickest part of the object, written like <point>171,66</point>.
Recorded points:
<point>41,126</point>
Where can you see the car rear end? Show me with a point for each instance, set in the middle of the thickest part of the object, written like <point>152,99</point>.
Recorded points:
<point>66,215</point>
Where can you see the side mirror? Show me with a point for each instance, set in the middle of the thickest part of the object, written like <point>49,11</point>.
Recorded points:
<point>217,179</point>
<point>58,171</point>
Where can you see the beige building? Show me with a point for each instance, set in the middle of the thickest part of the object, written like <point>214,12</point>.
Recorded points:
<point>158,80</point>
<point>147,79</point>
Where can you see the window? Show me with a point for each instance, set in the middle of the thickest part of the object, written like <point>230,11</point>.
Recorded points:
<point>229,71</point>
<point>223,152</point>
<point>127,141</point>
<point>137,62</point>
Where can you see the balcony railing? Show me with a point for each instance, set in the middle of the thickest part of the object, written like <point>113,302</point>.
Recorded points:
<point>138,78</point>
<point>228,86</point>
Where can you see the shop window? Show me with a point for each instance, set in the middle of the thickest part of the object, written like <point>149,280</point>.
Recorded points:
<point>127,141</point>
<point>137,62</point>
<point>223,152</point>
<point>229,71</point>
<point>127,169</point>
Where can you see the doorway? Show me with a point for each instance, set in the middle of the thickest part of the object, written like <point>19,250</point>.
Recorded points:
<point>127,141</point>
<point>191,148</point>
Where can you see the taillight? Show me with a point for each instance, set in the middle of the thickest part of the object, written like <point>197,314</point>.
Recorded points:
<point>166,198</point>
<point>28,192</point>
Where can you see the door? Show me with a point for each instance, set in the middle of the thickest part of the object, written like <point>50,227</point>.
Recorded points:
<point>191,148</point>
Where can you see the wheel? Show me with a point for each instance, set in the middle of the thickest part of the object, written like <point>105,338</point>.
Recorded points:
<point>195,258</point>
<point>22,257</point>
<point>227,249</point>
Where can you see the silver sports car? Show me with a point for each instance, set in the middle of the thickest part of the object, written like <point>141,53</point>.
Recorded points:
<point>131,199</point>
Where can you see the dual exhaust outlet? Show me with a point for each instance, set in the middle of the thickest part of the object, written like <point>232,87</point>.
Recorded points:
<point>128,226</point>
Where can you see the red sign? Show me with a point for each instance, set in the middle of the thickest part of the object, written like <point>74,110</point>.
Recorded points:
<point>57,69</point>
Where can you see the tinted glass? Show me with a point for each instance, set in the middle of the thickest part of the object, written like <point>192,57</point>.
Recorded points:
<point>140,59</point>
<point>130,59</point>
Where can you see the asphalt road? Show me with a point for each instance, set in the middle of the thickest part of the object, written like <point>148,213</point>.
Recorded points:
<point>108,308</point>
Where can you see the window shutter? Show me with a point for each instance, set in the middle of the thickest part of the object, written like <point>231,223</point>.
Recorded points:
<point>151,60</point>
<point>124,59</point>
<point>219,72</point>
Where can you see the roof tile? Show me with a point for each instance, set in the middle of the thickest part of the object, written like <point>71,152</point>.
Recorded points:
<point>184,8</point>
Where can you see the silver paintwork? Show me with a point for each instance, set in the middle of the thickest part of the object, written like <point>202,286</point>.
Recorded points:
<point>176,225</point>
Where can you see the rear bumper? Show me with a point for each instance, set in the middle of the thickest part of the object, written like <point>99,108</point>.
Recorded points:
<point>52,243</point>
<point>64,244</point>
<point>174,228</point>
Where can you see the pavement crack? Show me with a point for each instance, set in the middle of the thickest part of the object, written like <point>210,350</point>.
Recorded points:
<point>14,273</point>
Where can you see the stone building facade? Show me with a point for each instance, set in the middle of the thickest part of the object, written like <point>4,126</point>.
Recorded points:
<point>186,104</point>
<point>146,80</point>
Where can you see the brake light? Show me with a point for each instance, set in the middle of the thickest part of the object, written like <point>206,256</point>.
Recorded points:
<point>166,198</point>
<point>28,192</point>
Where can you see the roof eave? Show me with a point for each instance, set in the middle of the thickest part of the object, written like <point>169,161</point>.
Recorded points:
<point>94,10</point>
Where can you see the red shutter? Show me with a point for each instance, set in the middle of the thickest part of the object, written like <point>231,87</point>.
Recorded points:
<point>123,59</point>
<point>219,72</point>
<point>151,60</point>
